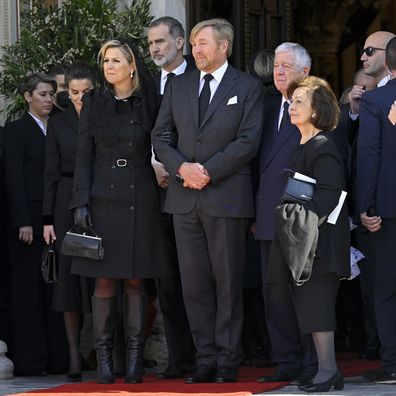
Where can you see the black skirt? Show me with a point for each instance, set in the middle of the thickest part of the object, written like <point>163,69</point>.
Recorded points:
<point>315,302</point>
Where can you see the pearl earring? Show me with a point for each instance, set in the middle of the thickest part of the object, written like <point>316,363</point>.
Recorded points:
<point>313,115</point>
<point>132,71</point>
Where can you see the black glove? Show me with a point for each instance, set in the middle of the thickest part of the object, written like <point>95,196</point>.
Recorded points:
<point>82,217</point>
<point>168,137</point>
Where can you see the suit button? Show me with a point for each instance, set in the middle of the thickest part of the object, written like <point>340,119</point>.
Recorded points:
<point>130,144</point>
<point>131,208</point>
<point>113,166</point>
<point>131,122</point>
<point>199,142</point>
<point>132,186</point>
<point>111,185</point>
<point>111,207</point>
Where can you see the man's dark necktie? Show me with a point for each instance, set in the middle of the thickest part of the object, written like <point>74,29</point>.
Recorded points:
<point>285,116</point>
<point>204,98</point>
<point>169,77</point>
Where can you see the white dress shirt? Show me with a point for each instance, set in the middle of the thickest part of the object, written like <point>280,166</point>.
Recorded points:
<point>164,75</point>
<point>218,74</point>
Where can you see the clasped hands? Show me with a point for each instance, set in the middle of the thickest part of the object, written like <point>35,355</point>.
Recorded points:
<point>194,175</point>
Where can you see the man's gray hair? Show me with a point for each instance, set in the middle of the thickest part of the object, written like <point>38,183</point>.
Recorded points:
<point>303,59</point>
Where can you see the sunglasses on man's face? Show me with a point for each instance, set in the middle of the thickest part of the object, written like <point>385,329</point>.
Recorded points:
<point>370,51</point>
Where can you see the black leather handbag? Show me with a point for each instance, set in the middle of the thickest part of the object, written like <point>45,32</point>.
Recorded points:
<point>83,245</point>
<point>297,191</point>
<point>49,266</point>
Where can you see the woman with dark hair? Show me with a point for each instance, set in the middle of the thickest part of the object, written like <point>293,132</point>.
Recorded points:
<point>115,190</point>
<point>308,252</point>
<point>38,340</point>
<point>72,292</point>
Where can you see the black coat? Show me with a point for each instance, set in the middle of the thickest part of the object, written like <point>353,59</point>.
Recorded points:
<point>123,200</point>
<point>24,148</point>
<point>72,292</point>
<point>319,159</point>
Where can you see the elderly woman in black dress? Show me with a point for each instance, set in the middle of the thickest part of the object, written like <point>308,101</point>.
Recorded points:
<point>314,110</point>
<point>115,190</point>
<point>71,293</point>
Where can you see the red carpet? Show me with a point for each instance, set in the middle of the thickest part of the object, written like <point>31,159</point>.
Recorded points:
<point>247,385</point>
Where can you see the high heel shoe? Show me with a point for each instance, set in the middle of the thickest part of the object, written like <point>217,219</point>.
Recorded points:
<point>336,381</point>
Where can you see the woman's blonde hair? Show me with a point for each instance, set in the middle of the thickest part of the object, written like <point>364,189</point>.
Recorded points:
<point>129,56</point>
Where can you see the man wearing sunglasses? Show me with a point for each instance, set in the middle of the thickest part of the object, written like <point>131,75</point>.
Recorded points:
<point>373,58</point>
<point>375,201</point>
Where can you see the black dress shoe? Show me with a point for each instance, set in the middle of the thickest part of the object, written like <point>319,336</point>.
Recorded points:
<point>226,374</point>
<point>369,355</point>
<point>278,376</point>
<point>336,381</point>
<point>386,378</point>
<point>204,373</point>
<point>75,377</point>
<point>304,378</point>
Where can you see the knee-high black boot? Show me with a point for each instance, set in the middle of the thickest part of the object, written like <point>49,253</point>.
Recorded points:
<point>103,311</point>
<point>135,317</point>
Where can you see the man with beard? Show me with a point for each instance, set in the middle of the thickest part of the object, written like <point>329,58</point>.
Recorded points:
<point>166,42</point>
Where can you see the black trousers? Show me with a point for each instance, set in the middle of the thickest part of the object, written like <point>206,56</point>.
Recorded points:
<point>385,290</point>
<point>290,350</point>
<point>211,254</point>
<point>38,334</point>
<point>169,290</point>
<point>363,241</point>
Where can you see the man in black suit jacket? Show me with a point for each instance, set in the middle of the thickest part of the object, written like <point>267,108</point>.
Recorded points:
<point>375,201</point>
<point>216,115</point>
<point>280,139</point>
<point>166,42</point>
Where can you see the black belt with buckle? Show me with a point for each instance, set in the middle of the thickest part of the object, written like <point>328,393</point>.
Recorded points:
<point>121,162</point>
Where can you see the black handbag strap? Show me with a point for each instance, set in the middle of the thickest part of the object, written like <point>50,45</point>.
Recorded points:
<point>84,233</point>
<point>51,247</point>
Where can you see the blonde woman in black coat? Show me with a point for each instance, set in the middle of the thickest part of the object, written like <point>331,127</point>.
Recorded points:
<point>115,190</point>
<point>72,292</point>
<point>314,110</point>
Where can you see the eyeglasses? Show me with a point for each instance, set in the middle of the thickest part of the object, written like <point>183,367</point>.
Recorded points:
<point>370,51</point>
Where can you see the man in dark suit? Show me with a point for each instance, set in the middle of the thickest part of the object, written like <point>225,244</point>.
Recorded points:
<point>375,201</point>
<point>280,139</point>
<point>216,115</point>
<point>166,42</point>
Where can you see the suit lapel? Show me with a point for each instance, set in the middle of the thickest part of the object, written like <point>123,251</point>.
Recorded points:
<point>192,93</point>
<point>227,82</point>
<point>35,130</point>
<point>287,133</point>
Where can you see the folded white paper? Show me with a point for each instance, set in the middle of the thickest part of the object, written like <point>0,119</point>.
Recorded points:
<point>333,216</point>
<point>233,100</point>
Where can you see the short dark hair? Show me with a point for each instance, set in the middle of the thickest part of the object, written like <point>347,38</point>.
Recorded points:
<point>29,84</point>
<point>80,71</point>
<point>57,69</point>
<point>390,54</point>
<point>175,27</point>
<point>323,101</point>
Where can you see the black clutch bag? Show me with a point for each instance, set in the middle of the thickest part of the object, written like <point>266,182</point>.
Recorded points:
<point>82,245</point>
<point>49,269</point>
<point>297,191</point>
